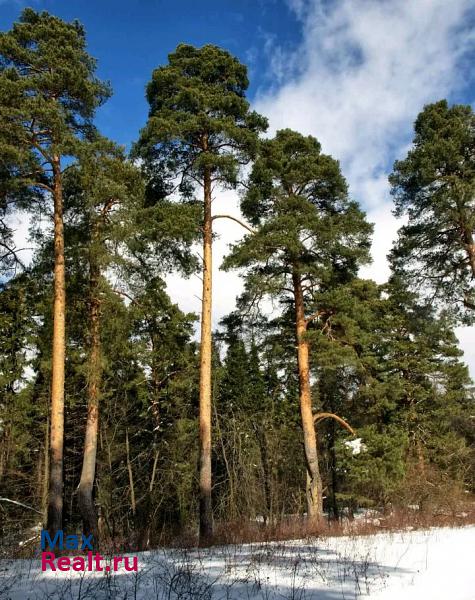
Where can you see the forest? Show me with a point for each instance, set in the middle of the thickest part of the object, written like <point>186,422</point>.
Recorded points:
<point>319,394</point>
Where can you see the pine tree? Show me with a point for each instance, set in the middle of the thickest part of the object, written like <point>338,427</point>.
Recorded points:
<point>406,389</point>
<point>16,326</point>
<point>166,352</point>
<point>310,237</point>
<point>430,387</point>
<point>199,132</point>
<point>48,94</point>
<point>103,192</point>
<point>434,186</point>
<point>23,444</point>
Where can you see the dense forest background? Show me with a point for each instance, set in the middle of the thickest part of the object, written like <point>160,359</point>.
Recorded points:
<point>320,394</point>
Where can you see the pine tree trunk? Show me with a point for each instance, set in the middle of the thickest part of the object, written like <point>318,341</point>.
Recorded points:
<point>470,249</point>
<point>88,473</point>
<point>131,474</point>
<point>314,484</point>
<point>144,516</point>
<point>206,516</point>
<point>55,497</point>
<point>334,502</point>
<point>44,489</point>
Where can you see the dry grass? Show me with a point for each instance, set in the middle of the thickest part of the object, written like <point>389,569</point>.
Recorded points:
<point>290,528</point>
<point>371,522</point>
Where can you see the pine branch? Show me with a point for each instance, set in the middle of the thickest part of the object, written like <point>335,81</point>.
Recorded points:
<point>326,415</point>
<point>314,316</point>
<point>236,220</point>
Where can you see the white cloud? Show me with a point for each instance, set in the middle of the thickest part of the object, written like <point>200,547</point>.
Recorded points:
<point>357,82</point>
<point>369,66</point>
<point>386,226</point>
<point>19,224</point>
<point>361,75</point>
<point>466,337</point>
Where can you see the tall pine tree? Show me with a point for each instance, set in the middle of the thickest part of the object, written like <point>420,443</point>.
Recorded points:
<point>48,94</point>
<point>435,187</point>
<point>310,237</point>
<point>199,132</point>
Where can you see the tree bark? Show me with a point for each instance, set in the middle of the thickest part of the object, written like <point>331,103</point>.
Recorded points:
<point>470,248</point>
<point>131,474</point>
<point>334,501</point>
<point>206,516</point>
<point>327,415</point>
<point>88,472</point>
<point>314,483</point>
<point>44,489</point>
<point>55,497</point>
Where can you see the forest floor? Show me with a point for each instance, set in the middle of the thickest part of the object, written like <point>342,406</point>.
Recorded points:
<point>433,564</point>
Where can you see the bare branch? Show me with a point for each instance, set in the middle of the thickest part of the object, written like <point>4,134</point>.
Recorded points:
<point>125,295</point>
<point>326,415</point>
<point>315,315</point>
<point>21,504</point>
<point>236,220</point>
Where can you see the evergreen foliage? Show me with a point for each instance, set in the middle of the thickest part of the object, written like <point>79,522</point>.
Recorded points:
<point>434,186</point>
<point>200,132</point>
<point>138,393</point>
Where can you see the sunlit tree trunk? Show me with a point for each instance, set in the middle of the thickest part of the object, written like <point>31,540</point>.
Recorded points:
<point>55,497</point>
<point>314,482</point>
<point>88,473</point>
<point>206,516</point>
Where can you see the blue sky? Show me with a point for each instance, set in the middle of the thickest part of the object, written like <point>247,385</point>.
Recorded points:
<point>130,39</point>
<point>272,37</point>
<point>353,73</point>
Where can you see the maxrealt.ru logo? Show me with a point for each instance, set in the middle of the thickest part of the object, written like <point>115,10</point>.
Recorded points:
<point>90,562</point>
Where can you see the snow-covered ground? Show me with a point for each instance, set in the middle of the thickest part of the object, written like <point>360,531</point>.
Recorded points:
<point>435,565</point>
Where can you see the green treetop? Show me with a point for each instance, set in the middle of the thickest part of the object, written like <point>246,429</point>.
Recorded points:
<point>311,237</point>
<point>199,132</point>
<point>308,226</point>
<point>48,95</point>
<point>199,120</point>
<point>435,187</point>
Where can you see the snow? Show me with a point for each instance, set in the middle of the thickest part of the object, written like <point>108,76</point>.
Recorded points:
<point>356,446</point>
<point>436,564</point>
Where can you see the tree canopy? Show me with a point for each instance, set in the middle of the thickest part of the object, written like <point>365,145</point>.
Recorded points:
<point>318,394</point>
<point>435,187</point>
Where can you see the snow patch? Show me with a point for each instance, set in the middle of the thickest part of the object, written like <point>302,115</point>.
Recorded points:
<point>435,564</point>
